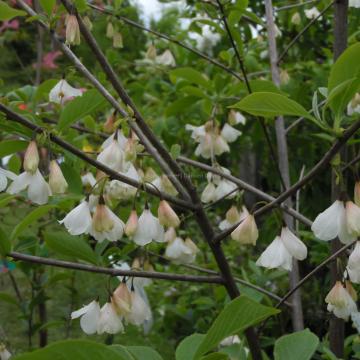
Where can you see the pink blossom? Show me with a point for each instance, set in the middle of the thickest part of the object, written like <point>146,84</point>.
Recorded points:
<point>48,61</point>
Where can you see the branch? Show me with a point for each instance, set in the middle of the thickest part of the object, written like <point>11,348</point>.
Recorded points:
<point>335,148</point>
<point>116,272</point>
<point>170,39</point>
<point>243,185</point>
<point>13,116</point>
<point>287,7</point>
<point>295,39</point>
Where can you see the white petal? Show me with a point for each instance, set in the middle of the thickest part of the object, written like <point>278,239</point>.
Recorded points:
<point>8,174</point>
<point>109,320</point>
<point>20,183</point>
<point>229,133</point>
<point>78,221</point>
<point>140,311</point>
<point>275,256</point>
<point>208,195</point>
<point>293,244</point>
<point>3,182</point>
<point>225,187</point>
<point>90,320</point>
<point>326,226</point>
<point>344,235</point>
<point>39,190</point>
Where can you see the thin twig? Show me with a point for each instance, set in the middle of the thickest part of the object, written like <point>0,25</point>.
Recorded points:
<point>325,160</point>
<point>168,38</point>
<point>295,39</point>
<point>291,6</point>
<point>13,116</point>
<point>115,272</point>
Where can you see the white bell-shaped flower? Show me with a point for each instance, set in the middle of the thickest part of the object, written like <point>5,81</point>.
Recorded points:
<point>112,156</point>
<point>275,256</point>
<point>105,224</point>
<point>208,194</point>
<point>312,13</point>
<point>119,190</point>
<point>140,310</point>
<point>229,133</point>
<point>293,244</point>
<point>165,185</point>
<point>296,18</point>
<point>235,118</point>
<point>340,302</point>
<point>122,299</point>
<point>166,58</point>
<point>57,182</point>
<point>121,138</point>
<point>4,176</point>
<point>63,92</point>
<point>4,353</point>
<point>37,188</point>
<point>89,317</point>
<point>109,321</point>
<point>247,232</point>
<point>78,220</point>
<point>88,179</point>
<point>197,132</point>
<point>31,158</point>
<point>149,229</point>
<point>181,251</point>
<point>167,216</point>
<point>233,216</point>
<point>353,266</point>
<point>225,188</point>
<point>332,223</point>
<point>132,224</point>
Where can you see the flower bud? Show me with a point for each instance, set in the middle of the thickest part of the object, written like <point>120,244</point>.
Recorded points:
<point>232,215</point>
<point>122,299</point>
<point>109,125</point>
<point>150,175</point>
<point>117,40</point>
<point>130,150</point>
<point>109,30</point>
<point>136,264</point>
<point>167,185</point>
<point>151,52</point>
<point>167,216</point>
<point>102,221</point>
<point>132,224</point>
<point>31,158</point>
<point>57,182</point>
<point>72,30</point>
<point>284,77</point>
<point>337,295</point>
<point>148,266</point>
<point>247,232</point>
<point>170,234</point>
<point>296,19</point>
<point>88,23</point>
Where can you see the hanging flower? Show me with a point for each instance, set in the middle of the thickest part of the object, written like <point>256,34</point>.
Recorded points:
<point>332,223</point>
<point>119,136</point>
<point>72,30</point>
<point>31,158</point>
<point>167,216</point>
<point>151,52</point>
<point>122,299</point>
<point>247,232</point>
<point>208,195</point>
<point>38,189</point>
<point>352,213</point>
<point>232,217</point>
<point>275,256</point>
<point>164,184</point>
<point>88,179</point>
<point>181,251</point>
<point>149,229</point>
<point>78,220</point>
<point>354,105</point>
<point>293,244</point>
<point>170,235</point>
<point>132,224</point>
<point>89,317</point>
<point>312,13</point>
<point>235,118</point>
<point>117,40</point>
<point>105,224</point>
<point>4,353</point>
<point>112,156</point>
<point>109,321</point>
<point>4,176</point>
<point>140,310</point>
<point>284,77</point>
<point>340,302</point>
<point>63,92</point>
<point>166,58</point>
<point>296,18</point>
<point>354,3</point>
<point>229,133</point>
<point>353,266</point>
<point>57,182</point>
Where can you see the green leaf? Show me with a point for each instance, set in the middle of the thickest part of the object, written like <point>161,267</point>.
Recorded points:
<point>8,13</point>
<point>5,199</point>
<point>73,349</point>
<point>73,178</point>
<point>143,352</point>
<point>70,246</point>
<point>187,348</point>
<point>191,75</point>
<point>179,105</point>
<point>175,151</point>
<point>48,5</point>
<point>8,298</point>
<point>5,243</point>
<point>237,316</point>
<point>269,104</point>
<point>300,345</point>
<point>215,356</point>
<point>8,147</point>
<point>30,219</point>
<point>346,67</point>
<point>42,91</point>
<point>81,106</point>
